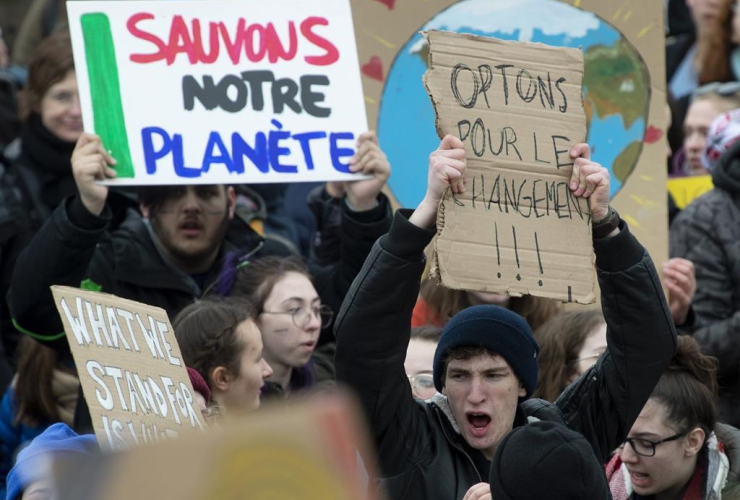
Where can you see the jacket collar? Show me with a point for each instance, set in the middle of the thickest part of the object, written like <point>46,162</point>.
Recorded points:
<point>141,262</point>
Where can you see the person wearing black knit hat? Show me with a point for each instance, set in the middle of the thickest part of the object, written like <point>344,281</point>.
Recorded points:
<point>546,460</point>
<point>485,366</point>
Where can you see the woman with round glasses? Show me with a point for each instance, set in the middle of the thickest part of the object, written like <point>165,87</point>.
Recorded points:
<point>290,316</point>
<point>672,452</point>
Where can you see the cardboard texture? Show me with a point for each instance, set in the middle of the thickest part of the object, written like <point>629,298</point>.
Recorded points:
<point>624,87</point>
<point>517,108</point>
<point>130,368</point>
<point>687,189</point>
<point>308,452</point>
<point>268,92</point>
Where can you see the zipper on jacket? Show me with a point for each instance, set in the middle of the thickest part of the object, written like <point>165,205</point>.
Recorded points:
<point>453,443</point>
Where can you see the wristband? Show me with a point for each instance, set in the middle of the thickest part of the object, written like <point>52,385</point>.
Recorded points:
<point>602,228</point>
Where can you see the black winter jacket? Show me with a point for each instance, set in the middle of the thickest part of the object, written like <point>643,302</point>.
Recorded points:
<point>73,246</point>
<point>420,453</point>
<point>707,232</point>
<point>128,263</point>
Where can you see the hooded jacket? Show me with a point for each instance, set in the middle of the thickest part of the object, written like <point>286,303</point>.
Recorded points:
<point>707,232</point>
<point>421,453</point>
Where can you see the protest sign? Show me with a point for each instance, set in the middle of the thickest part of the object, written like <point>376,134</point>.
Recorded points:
<point>220,92</point>
<point>130,368</point>
<point>518,109</point>
<point>687,189</point>
<point>624,88</point>
<point>308,451</point>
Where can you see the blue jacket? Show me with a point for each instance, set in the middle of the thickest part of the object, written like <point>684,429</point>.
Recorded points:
<point>13,437</point>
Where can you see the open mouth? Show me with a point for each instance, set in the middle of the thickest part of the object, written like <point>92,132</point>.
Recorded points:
<point>639,479</point>
<point>478,423</point>
<point>191,227</point>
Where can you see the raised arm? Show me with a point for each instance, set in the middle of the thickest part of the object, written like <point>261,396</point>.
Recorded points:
<point>374,323</point>
<point>604,403</point>
<point>365,217</point>
<point>62,251</point>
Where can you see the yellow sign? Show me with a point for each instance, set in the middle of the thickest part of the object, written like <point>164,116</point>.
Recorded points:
<point>687,189</point>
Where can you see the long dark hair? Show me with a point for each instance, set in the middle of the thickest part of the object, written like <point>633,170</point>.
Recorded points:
<point>713,48</point>
<point>206,334</point>
<point>255,280</point>
<point>560,340</point>
<point>445,303</point>
<point>688,388</point>
<point>33,389</point>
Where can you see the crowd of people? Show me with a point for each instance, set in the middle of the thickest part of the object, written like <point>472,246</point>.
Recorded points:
<point>468,395</point>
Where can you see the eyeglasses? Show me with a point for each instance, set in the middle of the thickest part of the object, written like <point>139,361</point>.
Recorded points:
<point>725,89</point>
<point>423,385</point>
<point>302,315</point>
<point>646,448</point>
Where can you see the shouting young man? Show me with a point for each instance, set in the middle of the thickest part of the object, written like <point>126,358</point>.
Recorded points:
<point>485,366</point>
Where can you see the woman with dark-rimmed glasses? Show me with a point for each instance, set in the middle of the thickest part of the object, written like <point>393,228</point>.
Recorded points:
<point>672,452</point>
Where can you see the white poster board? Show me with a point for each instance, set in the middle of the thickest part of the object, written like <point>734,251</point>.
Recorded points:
<point>220,92</point>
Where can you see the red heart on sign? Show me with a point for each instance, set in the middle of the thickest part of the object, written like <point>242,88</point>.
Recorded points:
<point>653,134</point>
<point>374,69</point>
<point>389,3</point>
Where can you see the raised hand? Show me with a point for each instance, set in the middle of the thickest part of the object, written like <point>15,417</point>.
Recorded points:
<point>590,180</point>
<point>447,167</point>
<point>369,160</point>
<point>90,163</point>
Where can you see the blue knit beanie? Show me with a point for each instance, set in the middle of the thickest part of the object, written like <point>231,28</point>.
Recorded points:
<point>498,330</point>
<point>58,439</point>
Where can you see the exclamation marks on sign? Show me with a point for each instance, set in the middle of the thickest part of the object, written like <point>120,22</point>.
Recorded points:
<point>498,251</point>
<point>516,253</point>
<point>539,259</point>
<point>105,91</point>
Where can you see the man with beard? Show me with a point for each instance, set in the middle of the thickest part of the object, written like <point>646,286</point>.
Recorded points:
<point>173,254</point>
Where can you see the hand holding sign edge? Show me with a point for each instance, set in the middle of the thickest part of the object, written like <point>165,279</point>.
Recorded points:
<point>590,180</point>
<point>447,167</point>
<point>90,163</point>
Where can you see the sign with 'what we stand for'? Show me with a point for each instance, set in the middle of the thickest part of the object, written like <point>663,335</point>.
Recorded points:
<point>130,368</point>
<point>220,92</point>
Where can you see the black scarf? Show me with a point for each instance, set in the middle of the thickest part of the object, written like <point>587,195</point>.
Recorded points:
<point>48,157</point>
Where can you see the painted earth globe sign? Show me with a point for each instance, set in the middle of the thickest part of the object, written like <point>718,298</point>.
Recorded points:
<point>616,85</point>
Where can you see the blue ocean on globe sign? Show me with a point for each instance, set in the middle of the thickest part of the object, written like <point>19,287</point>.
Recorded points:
<point>615,87</point>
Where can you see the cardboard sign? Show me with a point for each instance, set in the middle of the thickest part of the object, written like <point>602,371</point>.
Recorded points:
<point>687,189</point>
<point>220,92</point>
<point>308,452</point>
<point>130,368</point>
<point>518,109</point>
<point>623,45</point>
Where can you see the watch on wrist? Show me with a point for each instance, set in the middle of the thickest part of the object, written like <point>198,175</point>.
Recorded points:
<point>602,228</point>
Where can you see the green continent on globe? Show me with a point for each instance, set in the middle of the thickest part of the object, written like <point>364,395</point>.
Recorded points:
<point>616,83</point>
<point>625,162</point>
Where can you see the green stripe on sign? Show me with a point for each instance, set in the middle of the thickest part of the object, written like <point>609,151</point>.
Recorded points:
<point>102,72</point>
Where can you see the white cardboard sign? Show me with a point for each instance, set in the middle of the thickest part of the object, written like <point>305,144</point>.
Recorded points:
<point>220,92</point>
